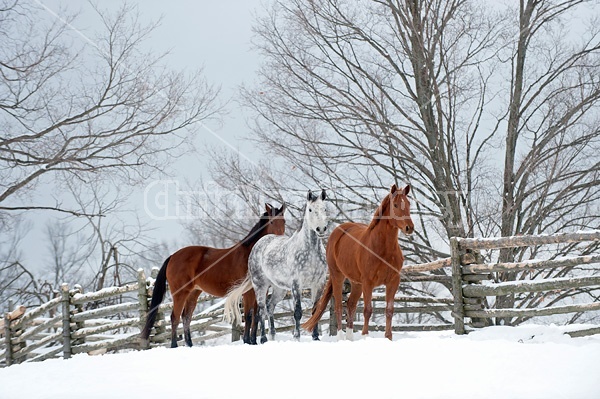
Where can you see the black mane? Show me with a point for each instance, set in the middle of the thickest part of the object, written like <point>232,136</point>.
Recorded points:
<point>255,232</point>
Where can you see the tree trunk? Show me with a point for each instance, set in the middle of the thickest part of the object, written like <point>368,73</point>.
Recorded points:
<point>509,206</point>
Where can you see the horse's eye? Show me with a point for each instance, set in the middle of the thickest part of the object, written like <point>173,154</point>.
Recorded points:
<point>310,210</point>
<point>395,205</point>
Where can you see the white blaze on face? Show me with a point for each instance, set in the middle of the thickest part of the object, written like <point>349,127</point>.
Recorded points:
<point>316,215</point>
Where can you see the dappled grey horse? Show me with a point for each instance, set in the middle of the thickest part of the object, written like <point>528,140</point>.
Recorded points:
<point>283,263</point>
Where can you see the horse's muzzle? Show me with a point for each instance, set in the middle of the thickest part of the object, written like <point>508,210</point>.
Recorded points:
<point>321,231</point>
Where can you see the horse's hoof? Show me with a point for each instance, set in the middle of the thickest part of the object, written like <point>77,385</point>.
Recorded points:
<point>340,335</point>
<point>263,340</point>
<point>316,338</point>
<point>349,335</point>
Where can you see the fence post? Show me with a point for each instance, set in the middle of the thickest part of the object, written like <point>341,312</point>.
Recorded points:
<point>8,353</point>
<point>79,308</point>
<point>458,313</point>
<point>470,258</point>
<point>66,320</point>
<point>143,301</point>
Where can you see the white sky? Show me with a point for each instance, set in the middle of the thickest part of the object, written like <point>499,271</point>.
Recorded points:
<point>214,35</point>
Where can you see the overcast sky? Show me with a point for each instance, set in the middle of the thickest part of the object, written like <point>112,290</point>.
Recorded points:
<point>213,35</point>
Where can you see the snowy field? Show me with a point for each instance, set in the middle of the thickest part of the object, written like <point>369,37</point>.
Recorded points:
<point>498,362</point>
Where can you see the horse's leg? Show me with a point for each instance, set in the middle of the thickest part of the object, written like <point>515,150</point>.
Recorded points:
<point>353,298</point>
<point>297,297</point>
<point>188,312</point>
<point>276,297</point>
<point>367,297</point>
<point>249,303</point>
<point>254,328</point>
<point>261,298</point>
<point>390,293</point>
<point>337,284</point>
<point>315,295</point>
<point>262,310</point>
<point>179,298</point>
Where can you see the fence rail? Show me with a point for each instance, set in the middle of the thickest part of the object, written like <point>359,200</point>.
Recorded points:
<point>470,292</point>
<point>110,319</point>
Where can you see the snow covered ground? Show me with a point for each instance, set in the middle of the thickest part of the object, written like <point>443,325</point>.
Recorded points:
<point>497,362</point>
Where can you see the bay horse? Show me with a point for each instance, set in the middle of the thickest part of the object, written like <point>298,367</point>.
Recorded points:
<point>284,264</point>
<point>194,269</point>
<point>368,256</point>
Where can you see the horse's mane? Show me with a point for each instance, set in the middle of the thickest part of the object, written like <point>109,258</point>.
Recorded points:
<point>254,233</point>
<point>378,215</point>
<point>302,213</point>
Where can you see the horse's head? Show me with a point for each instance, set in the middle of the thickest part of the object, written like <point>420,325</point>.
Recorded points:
<point>276,220</point>
<point>400,209</point>
<point>315,215</point>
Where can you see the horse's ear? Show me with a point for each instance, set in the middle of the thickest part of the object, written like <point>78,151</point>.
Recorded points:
<point>406,189</point>
<point>269,209</point>
<point>310,196</point>
<point>393,189</point>
<point>323,195</point>
<point>281,210</point>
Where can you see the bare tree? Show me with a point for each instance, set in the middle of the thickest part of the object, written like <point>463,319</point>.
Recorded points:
<point>360,95</point>
<point>19,282</point>
<point>67,254</point>
<point>550,180</point>
<point>109,246</point>
<point>446,95</point>
<point>78,110</point>
<point>82,112</point>
<point>220,213</point>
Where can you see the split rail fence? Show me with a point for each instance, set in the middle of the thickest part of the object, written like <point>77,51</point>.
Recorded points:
<point>473,284</point>
<point>110,319</point>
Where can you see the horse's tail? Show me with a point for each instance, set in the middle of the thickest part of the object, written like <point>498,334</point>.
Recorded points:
<point>232,310</point>
<point>160,287</point>
<point>320,307</point>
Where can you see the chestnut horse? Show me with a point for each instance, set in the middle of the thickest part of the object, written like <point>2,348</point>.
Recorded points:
<point>194,269</point>
<point>368,256</point>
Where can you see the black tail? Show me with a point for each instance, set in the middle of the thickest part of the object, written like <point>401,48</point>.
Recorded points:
<point>160,287</point>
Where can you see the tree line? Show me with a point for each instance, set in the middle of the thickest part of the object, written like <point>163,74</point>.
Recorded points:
<point>489,111</point>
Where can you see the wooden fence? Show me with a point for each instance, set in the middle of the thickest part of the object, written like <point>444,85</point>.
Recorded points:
<point>110,319</point>
<point>411,303</point>
<point>472,283</point>
<point>96,322</point>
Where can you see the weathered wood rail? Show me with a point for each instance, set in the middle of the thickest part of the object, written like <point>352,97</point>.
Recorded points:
<point>412,312</point>
<point>76,322</point>
<point>471,282</point>
<point>110,319</point>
